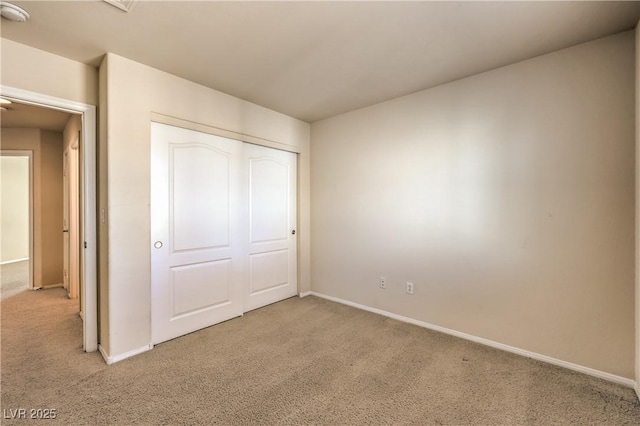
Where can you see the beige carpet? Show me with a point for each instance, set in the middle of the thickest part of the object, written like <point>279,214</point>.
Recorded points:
<point>301,361</point>
<point>14,278</point>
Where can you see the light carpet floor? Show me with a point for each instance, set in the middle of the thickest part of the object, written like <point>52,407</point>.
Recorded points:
<point>297,362</point>
<point>14,278</point>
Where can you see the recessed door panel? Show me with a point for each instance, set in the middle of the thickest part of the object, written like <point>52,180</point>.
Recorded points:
<point>195,288</point>
<point>269,195</point>
<point>197,231</point>
<point>268,271</point>
<point>199,196</point>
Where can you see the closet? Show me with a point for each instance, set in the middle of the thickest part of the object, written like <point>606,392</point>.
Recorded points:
<point>223,229</point>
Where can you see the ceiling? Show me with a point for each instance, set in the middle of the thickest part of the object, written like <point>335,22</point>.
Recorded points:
<point>30,116</point>
<point>313,60</point>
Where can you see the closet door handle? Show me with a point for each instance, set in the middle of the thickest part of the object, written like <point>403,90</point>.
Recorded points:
<point>158,244</point>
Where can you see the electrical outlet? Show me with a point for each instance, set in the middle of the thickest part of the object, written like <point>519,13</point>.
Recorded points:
<point>409,288</point>
<point>383,282</point>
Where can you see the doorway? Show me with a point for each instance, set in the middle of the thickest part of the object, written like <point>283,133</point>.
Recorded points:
<point>86,258</point>
<point>16,253</point>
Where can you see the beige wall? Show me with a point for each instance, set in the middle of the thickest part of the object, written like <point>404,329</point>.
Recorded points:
<point>47,193</point>
<point>51,199</point>
<point>506,197</point>
<point>14,180</point>
<point>35,70</point>
<point>133,93</point>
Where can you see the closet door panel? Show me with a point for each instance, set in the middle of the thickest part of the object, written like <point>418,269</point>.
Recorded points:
<point>223,222</point>
<point>271,176</point>
<point>197,223</point>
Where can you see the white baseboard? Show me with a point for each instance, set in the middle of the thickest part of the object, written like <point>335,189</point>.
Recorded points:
<point>305,294</point>
<point>539,357</point>
<point>48,286</point>
<point>7,262</point>
<point>113,359</point>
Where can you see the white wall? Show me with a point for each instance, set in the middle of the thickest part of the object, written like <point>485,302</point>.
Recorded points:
<point>14,180</point>
<point>29,140</point>
<point>131,95</point>
<point>506,197</point>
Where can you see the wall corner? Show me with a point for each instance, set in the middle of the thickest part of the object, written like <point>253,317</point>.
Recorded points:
<point>637,201</point>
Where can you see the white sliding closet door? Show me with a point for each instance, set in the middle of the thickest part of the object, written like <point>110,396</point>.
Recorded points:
<point>272,253</point>
<point>223,217</point>
<point>197,227</point>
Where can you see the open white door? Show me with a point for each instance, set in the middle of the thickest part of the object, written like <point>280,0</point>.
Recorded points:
<point>65,220</point>
<point>197,267</point>
<point>74,224</point>
<point>71,225</point>
<point>272,238</point>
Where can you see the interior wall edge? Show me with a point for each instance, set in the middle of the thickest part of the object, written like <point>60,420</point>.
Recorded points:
<point>637,206</point>
<point>102,207</point>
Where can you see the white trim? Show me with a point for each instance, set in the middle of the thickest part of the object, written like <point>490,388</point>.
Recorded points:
<point>539,357</point>
<point>89,189</point>
<point>305,294</point>
<point>219,131</point>
<point>113,359</point>
<point>7,262</point>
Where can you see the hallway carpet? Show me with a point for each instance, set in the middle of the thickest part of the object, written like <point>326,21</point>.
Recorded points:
<point>298,362</point>
<point>14,278</point>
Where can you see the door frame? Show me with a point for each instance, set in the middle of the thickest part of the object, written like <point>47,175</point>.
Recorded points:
<point>29,154</point>
<point>88,182</point>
